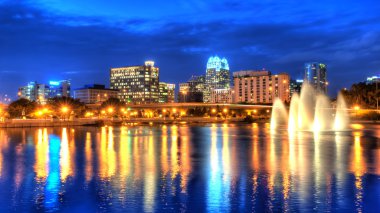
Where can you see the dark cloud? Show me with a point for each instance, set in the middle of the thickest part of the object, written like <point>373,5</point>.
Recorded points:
<point>40,45</point>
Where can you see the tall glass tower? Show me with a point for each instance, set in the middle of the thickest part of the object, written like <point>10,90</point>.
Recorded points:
<point>315,75</point>
<point>217,76</point>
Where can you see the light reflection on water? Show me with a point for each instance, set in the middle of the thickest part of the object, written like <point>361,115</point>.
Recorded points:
<point>216,168</point>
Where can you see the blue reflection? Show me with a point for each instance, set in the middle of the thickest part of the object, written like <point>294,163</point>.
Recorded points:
<point>53,181</point>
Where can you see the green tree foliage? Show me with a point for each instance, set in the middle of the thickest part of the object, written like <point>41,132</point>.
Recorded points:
<point>16,108</point>
<point>362,94</point>
<point>74,105</point>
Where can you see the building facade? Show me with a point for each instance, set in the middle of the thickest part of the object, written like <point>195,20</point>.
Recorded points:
<point>295,86</point>
<point>192,90</point>
<point>315,75</point>
<point>41,92</point>
<point>167,93</point>
<point>136,84</point>
<point>94,93</point>
<point>217,76</point>
<point>223,96</point>
<point>260,87</point>
<point>60,88</point>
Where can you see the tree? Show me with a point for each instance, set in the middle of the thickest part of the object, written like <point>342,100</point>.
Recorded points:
<point>113,106</point>
<point>59,104</point>
<point>21,107</point>
<point>362,94</point>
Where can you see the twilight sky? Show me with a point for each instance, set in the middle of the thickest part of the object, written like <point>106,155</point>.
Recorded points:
<point>46,40</point>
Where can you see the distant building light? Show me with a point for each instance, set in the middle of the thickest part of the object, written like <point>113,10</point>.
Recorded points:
<point>54,83</point>
<point>299,81</point>
<point>149,63</point>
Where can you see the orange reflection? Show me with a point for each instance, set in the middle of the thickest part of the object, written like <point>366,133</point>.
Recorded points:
<point>88,156</point>
<point>41,167</point>
<point>358,167</point>
<point>65,157</point>
<point>185,157</point>
<point>150,175</point>
<point>164,151</point>
<point>111,154</point>
<point>174,151</point>
<point>255,152</point>
<point>124,153</point>
<point>107,156</point>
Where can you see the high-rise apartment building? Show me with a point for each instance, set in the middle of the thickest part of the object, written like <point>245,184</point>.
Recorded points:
<point>167,93</point>
<point>94,93</point>
<point>315,75</point>
<point>260,87</point>
<point>217,76</point>
<point>136,84</point>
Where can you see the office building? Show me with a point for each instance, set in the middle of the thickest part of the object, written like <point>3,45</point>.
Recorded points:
<point>260,87</point>
<point>166,93</point>
<point>41,92</point>
<point>60,88</point>
<point>217,76</point>
<point>295,86</point>
<point>315,75</point>
<point>94,93</point>
<point>136,84</point>
<point>192,90</point>
<point>223,96</point>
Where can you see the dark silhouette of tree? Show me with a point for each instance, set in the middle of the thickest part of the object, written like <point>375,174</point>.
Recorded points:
<point>362,94</point>
<point>21,107</point>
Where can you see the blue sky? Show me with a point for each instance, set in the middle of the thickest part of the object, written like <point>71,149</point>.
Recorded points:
<point>50,40</point>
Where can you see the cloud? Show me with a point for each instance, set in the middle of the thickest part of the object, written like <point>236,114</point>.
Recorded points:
<point>42,43</point>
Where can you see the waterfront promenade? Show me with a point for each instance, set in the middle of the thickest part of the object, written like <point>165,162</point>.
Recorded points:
<point>28,123</point>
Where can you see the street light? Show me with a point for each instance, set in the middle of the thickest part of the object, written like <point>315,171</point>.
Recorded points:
<point>64,110</point>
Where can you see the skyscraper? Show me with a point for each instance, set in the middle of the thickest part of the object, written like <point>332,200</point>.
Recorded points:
<point>315,75</point>
<point>137,84</point>
<point>217,76</point>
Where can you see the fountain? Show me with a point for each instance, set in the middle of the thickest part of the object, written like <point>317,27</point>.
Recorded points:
<point>310,111</point>
<point>341,116</point>
<point>279,114</point>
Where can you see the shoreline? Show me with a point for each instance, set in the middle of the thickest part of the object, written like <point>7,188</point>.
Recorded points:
<point>31,123</point>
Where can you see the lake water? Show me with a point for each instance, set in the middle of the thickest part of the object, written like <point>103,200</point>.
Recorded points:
<point>197,168</point>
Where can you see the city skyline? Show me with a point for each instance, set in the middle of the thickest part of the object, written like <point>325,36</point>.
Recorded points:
<point>42,40</point>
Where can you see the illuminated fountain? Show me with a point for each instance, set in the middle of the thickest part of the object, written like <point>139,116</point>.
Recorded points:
<point>279,114</point>
<point>310,111</point>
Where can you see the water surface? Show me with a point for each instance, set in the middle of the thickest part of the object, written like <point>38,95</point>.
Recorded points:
<point>215,168</point>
